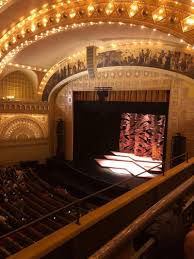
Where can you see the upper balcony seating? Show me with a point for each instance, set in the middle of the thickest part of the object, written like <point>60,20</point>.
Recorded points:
<point>25,197</point>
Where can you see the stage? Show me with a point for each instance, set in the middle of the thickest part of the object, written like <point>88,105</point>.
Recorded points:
<point>117,166</point>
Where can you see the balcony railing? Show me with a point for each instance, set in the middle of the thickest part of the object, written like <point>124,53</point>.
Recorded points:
<point>161,186</point>
<point>122,240</point>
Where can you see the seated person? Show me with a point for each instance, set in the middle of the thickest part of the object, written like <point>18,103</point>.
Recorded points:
<point>189,244</point>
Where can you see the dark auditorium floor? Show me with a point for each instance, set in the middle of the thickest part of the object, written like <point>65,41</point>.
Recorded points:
<point>90,168</point>
<point>86,177</point>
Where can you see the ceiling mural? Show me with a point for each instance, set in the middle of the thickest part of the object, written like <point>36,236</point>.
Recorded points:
<point>53,18</point>
<point>147,53</point>
<point>54,30</point>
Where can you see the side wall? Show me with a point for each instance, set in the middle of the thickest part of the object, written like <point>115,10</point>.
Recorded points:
<point>181,107</point>
<point>13,153</point>
<point>23,136</point>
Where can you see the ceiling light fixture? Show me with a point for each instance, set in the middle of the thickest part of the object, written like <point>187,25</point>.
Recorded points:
<point>159,14</point>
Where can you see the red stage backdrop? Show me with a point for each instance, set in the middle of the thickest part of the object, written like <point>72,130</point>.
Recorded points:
<point>142,134</point>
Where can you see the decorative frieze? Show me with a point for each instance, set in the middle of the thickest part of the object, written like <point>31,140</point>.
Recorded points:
<point>24,107</point>
<point>23,127</point>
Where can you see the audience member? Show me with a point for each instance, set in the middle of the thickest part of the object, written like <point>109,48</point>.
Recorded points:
<point>189,244</point>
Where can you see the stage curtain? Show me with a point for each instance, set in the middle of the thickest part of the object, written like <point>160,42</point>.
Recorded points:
<point>125,96</point>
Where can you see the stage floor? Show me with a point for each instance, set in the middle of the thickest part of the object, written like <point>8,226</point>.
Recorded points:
<point>116,167</point>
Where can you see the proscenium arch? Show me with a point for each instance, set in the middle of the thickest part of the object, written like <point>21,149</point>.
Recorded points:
<point>48,85</point>
<point>144,78</point>
<point>160,71</point>
<point>35,27</point>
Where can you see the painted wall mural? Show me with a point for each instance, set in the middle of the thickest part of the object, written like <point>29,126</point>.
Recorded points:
<point>165,58</point>
<point>158,55</point>
<point>66,70</point>
<point>142,134</point>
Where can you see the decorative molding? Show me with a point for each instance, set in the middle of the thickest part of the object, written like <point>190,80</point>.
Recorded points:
<point>62,16</point>
<point>23,127</point>
<point>24,107</point>
<point>21,143</point>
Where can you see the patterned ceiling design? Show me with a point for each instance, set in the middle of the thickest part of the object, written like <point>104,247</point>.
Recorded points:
<point>173,17</point>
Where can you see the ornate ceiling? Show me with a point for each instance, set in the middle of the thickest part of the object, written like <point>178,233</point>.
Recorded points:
<point>29,28</point>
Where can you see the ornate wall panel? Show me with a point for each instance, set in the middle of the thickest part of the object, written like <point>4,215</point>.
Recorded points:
<point>181,106</point>
<point>18,85</point>
<point>23,127</point>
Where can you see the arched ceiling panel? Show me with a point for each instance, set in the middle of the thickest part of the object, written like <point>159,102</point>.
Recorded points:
<point>24,28</point>
<point>51,50</point>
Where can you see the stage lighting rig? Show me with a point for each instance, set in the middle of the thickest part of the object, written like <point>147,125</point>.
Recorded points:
<point>102,93</point>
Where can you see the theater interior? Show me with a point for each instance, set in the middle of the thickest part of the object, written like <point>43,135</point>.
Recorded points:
<point>97,129</point>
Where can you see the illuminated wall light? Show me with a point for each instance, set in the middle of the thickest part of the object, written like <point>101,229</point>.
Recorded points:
<point>109,9</point>
<point>133,9</point>
<point>188,23</point>
<point>159,14</point>
<point>11,54</point>
<point>114,46</point>
<point>44,21</point>
<point>101,48</point>
<point>33,27</point>
<point>14,40</point>
<point>58,17</point>
<point>6,46</point>
<point>90,9</point>
<point>72,14</point>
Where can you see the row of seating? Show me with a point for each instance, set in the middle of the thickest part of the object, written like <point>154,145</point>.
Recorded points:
<point>32,201</point>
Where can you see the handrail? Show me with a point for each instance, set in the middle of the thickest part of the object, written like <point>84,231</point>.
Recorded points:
<point>140,222</point>
<point>78,202</point>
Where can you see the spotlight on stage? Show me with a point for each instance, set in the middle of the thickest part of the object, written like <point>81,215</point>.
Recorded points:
<point>102,93</point>
<point>130,164</point>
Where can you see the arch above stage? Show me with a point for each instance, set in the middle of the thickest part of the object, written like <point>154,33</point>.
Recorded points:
<point>128,78</point>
